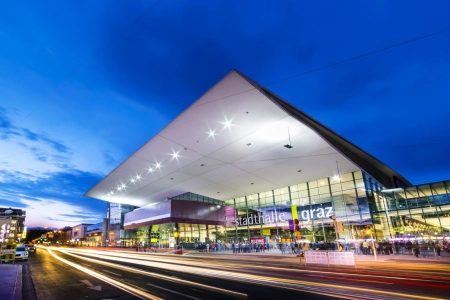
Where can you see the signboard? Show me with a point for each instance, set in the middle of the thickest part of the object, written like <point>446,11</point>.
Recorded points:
<point>266,231</point>
<point>341,258</point>
<point>316,257</point>
<point>258,240</point>
<point>7,252</point>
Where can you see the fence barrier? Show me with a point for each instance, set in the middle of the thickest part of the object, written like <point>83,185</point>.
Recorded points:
<point>324,257</point>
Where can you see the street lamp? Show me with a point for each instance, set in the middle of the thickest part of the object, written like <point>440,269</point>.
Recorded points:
<point>370,232</point>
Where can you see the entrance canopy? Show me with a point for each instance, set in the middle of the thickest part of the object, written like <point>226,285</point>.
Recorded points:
<point>237,139</point>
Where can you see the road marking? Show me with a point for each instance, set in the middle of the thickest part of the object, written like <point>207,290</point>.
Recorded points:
<point>91,286</point>
<point>160,287</point>
<point>112,273</point>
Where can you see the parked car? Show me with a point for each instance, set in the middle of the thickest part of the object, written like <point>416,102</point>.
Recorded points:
<point>31,247</point>
<point>21,253</point>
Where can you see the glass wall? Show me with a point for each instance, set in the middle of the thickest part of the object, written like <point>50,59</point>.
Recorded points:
<point>355,199</point>
<point>269,214</point>
<point>419,212</point>
<point>116,234</point>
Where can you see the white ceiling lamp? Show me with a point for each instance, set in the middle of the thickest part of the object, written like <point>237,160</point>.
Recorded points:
<point>212,133</point>
<point>227,123</point>
<point>158,165</point>
<point>175,155</point>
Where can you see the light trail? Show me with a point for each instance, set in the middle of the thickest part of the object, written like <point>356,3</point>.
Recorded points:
<point>434,279</point>
<point>298,285</point>
<point>126,288</point>
<point>159,276</point>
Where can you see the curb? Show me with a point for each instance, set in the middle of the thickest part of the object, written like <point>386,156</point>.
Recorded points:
<point>18,285</point>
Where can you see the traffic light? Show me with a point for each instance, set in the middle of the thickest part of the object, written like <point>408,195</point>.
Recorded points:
<point>297,227</point>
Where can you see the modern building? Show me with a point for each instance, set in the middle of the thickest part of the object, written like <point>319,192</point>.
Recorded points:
<point>241,162</point>
<point>93,234</point>
<point>79,234</point>
<point>12,224</point>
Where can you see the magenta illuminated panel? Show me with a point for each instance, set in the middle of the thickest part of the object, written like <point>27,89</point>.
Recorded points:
<point>180,211</point>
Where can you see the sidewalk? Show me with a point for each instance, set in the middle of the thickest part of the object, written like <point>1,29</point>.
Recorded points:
<point>276,254</point>
<point>11,281</point>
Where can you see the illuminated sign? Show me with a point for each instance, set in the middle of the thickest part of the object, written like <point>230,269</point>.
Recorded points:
<point>317,213</point>
<point>271,217</point>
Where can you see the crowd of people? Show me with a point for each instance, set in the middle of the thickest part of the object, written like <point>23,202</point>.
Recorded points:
<point>418,248</point>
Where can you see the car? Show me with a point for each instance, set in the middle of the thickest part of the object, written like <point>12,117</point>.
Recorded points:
<point>21,253</point>
<point>31,247</point>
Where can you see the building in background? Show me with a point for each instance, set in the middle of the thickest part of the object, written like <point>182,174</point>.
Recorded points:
<point>242,163</point>
<point>79,234</point>
<point>12,225</point>
<point>94,234</point>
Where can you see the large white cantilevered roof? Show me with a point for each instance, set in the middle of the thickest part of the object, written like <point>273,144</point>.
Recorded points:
<point>232,142</point>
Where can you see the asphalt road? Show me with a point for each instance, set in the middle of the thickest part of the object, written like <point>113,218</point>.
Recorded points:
<point>53,273</point>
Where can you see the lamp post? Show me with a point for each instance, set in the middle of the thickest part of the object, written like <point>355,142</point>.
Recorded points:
<point>370,231</point>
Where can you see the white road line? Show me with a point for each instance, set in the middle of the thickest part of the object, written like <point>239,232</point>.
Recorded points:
<point>112,273</point>
<point>160,287</point>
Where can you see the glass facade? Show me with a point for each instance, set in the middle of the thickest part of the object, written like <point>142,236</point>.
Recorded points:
<point>421,211</point>
<point>355,199</point>
<point>315,202</point>
<point>117,235</point>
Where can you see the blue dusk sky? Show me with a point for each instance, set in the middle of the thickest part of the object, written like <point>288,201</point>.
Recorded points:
<point>84,84</point>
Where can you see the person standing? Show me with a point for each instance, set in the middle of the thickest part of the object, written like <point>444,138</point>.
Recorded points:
<point>365,245</point>
<point>437,248</point>
<point>415,249</point>
<point>423,249</point>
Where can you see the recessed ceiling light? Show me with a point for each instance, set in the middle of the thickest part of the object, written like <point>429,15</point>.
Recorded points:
<point>138,177</point>
<point>175,155</point>
<point>211,134</point>
<point>150,170</point>
<point>158,165</point>
<point>132,180</point>
<point>227,123</point>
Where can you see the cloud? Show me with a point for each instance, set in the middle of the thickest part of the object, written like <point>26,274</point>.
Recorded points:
<point>56,197</point>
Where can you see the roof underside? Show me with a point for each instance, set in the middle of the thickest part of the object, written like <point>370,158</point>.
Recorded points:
<point>246,157</point>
